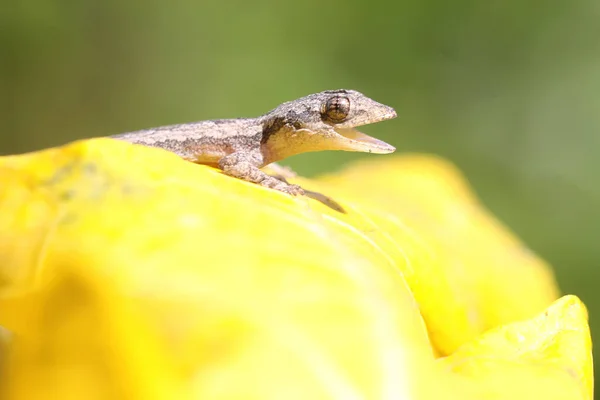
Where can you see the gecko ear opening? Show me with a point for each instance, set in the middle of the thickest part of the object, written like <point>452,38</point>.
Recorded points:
<point>353,140</point>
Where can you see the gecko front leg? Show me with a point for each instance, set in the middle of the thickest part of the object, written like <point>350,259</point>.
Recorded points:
<point>245,165</point>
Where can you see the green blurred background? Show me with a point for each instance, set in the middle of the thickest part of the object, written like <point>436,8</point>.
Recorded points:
<point>509,90</point>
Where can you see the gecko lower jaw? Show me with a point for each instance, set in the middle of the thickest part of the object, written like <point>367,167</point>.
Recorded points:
<point>352,140</point>
<point>349,139</point>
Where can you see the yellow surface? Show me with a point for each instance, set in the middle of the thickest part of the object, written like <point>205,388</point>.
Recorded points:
<point>481,274</point>
<point>126,272</point>
<point>553,350</point>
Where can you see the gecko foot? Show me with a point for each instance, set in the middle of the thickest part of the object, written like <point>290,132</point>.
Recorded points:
<point>274,183</point>
<point>244,166</point>
<point>294,190</point>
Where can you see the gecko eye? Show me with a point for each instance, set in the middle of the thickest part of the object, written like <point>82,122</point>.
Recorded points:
<point>336,109</point>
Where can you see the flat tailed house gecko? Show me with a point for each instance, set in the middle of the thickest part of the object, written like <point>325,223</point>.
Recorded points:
<point>240,147</point>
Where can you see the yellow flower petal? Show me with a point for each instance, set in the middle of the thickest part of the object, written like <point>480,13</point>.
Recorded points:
<point>547,357</point>
<point>128,273</point>
<point>83,341</point>
<point>237,291</point>
<point>474,274</point>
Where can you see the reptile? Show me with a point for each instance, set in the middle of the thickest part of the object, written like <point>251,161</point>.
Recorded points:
<point>241,146</point>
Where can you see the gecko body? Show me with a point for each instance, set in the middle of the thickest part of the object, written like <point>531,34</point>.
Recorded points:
<point>240,147</point>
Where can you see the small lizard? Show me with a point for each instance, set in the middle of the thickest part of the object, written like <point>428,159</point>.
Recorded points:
<point>240,147</point>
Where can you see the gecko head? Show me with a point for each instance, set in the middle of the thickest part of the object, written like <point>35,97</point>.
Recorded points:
<point>326,121</point>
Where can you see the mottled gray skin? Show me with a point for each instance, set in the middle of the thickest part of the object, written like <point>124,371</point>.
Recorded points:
<point>240,147</point>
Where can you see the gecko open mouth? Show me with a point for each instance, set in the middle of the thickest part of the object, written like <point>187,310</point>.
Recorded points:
<point>352,140</point>
<point>349,139</point>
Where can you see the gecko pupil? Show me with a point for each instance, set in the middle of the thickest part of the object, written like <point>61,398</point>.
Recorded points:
<point>337,109</point>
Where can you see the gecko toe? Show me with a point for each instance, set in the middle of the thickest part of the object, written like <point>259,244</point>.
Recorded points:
<point>294,190</point>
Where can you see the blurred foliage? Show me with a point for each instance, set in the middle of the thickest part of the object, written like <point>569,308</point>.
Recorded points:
<point>508,90</point>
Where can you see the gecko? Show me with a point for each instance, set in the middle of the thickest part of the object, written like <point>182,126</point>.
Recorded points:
<point>241,147</point>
